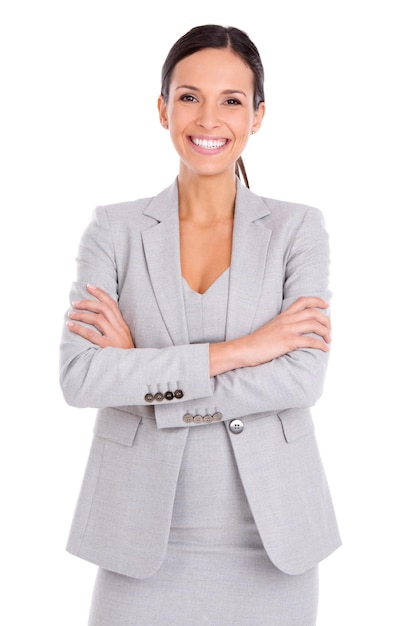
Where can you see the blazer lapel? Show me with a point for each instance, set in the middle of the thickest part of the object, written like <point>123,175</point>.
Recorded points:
<point>249,250</point>
<point>162,250</point>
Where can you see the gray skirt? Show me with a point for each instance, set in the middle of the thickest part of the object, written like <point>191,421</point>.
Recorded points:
<point>216,571</point>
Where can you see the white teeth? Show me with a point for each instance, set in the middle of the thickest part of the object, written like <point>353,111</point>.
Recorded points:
<point>209,144</point>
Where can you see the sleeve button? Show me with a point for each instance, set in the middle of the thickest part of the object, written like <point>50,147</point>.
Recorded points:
<point>169,395</point>
<point>178,394</point>
<point>158,396</point>
<point>149,397</point>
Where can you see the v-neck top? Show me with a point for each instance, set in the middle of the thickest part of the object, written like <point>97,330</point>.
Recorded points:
<point>206,313</point>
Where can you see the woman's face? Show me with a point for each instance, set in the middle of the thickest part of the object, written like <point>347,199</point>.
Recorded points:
<point>210,112</point>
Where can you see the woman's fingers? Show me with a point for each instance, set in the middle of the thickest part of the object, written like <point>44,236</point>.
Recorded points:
<point>307,302</point>
<point>303,322</point>
<point>314,321</point>
<point>314,326</point>
<point>103,314</point>
<point>302,325</point>
<point>102,303</point>
<point>308,341</point>
<point>105,299</point>
<point>87,333</point>
<point>306,315</point>
<point>97,320</point>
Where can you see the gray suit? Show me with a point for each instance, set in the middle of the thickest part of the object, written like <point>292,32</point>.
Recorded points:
<point>280,252</point>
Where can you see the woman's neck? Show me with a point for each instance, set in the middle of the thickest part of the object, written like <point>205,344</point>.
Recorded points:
<point>206,199</point>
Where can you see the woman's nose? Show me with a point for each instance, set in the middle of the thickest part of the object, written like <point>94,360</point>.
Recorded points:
<point>208,116</point>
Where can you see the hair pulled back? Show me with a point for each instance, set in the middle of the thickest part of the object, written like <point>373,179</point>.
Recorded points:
<point>215,36</point>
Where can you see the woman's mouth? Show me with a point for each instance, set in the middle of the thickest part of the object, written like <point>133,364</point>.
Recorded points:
<point>208,144</point>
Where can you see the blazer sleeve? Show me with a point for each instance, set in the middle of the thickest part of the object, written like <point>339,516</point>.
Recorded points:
<point>294,380</point>
<point>91,376</point>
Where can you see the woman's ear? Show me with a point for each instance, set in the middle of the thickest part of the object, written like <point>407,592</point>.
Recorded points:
<point>258,117</point>
<point>161,105</point>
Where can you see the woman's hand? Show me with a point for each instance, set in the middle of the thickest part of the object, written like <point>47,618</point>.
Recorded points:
<point>302,325</point>
<point>104,315</point>
<point>291,330</point>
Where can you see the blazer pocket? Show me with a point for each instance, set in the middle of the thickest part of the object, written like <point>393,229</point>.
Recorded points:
<point>117,425</point>
<point>296,423</point>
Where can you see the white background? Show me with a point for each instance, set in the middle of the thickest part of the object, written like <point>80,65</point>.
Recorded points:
<point>79,128</point>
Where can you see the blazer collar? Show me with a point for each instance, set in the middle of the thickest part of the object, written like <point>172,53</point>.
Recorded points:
<point>250,244</point>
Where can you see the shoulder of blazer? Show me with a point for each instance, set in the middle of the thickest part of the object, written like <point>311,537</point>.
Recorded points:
<point>282,210</point>
<point>270,211</point>
<point>141,213</point>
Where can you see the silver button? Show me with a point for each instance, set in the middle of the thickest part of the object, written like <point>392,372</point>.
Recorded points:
<point>236,426</point>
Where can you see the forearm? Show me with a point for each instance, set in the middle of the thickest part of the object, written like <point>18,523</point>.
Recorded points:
<point>303,324</point>
<point>295,380</point>
<point>103,377</point>
<point>226,356</point>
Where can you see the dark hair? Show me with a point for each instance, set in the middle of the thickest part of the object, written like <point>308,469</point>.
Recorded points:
<point>214,36</point>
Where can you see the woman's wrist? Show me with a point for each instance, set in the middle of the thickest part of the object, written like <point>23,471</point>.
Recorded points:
<point>226,356</point>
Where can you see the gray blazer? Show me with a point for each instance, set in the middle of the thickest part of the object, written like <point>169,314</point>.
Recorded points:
<point>123,516</point>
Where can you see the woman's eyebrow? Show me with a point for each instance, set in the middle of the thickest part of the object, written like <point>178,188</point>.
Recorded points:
<point>190,87</point>
<point>229,92</point>
<point>226,92</point>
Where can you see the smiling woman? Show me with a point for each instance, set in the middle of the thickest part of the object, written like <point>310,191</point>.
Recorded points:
<point>200,331</point>
<point>209,111</point>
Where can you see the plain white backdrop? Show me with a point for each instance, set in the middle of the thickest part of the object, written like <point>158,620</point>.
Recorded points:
<point>79,128</point>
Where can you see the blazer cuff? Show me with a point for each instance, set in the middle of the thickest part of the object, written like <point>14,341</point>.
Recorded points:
<point>194,383</point>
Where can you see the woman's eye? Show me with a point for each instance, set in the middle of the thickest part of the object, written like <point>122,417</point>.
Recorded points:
<point>188,98</point>
<point>233,101</point>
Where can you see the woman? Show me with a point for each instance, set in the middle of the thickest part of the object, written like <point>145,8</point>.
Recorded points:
<point>199,329</point>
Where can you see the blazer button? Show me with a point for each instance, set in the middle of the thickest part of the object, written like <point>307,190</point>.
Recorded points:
<point>187,418</point>
<point>158,396</point>
<point>169,395</point>
<point>217,416</point>
<point>236,426</point>
<point>149,397</point>
<point>208,419</point>
<point>197,419</point>
<point>178,394</point>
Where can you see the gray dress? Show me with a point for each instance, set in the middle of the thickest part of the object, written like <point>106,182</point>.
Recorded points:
<point>216,571</point>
